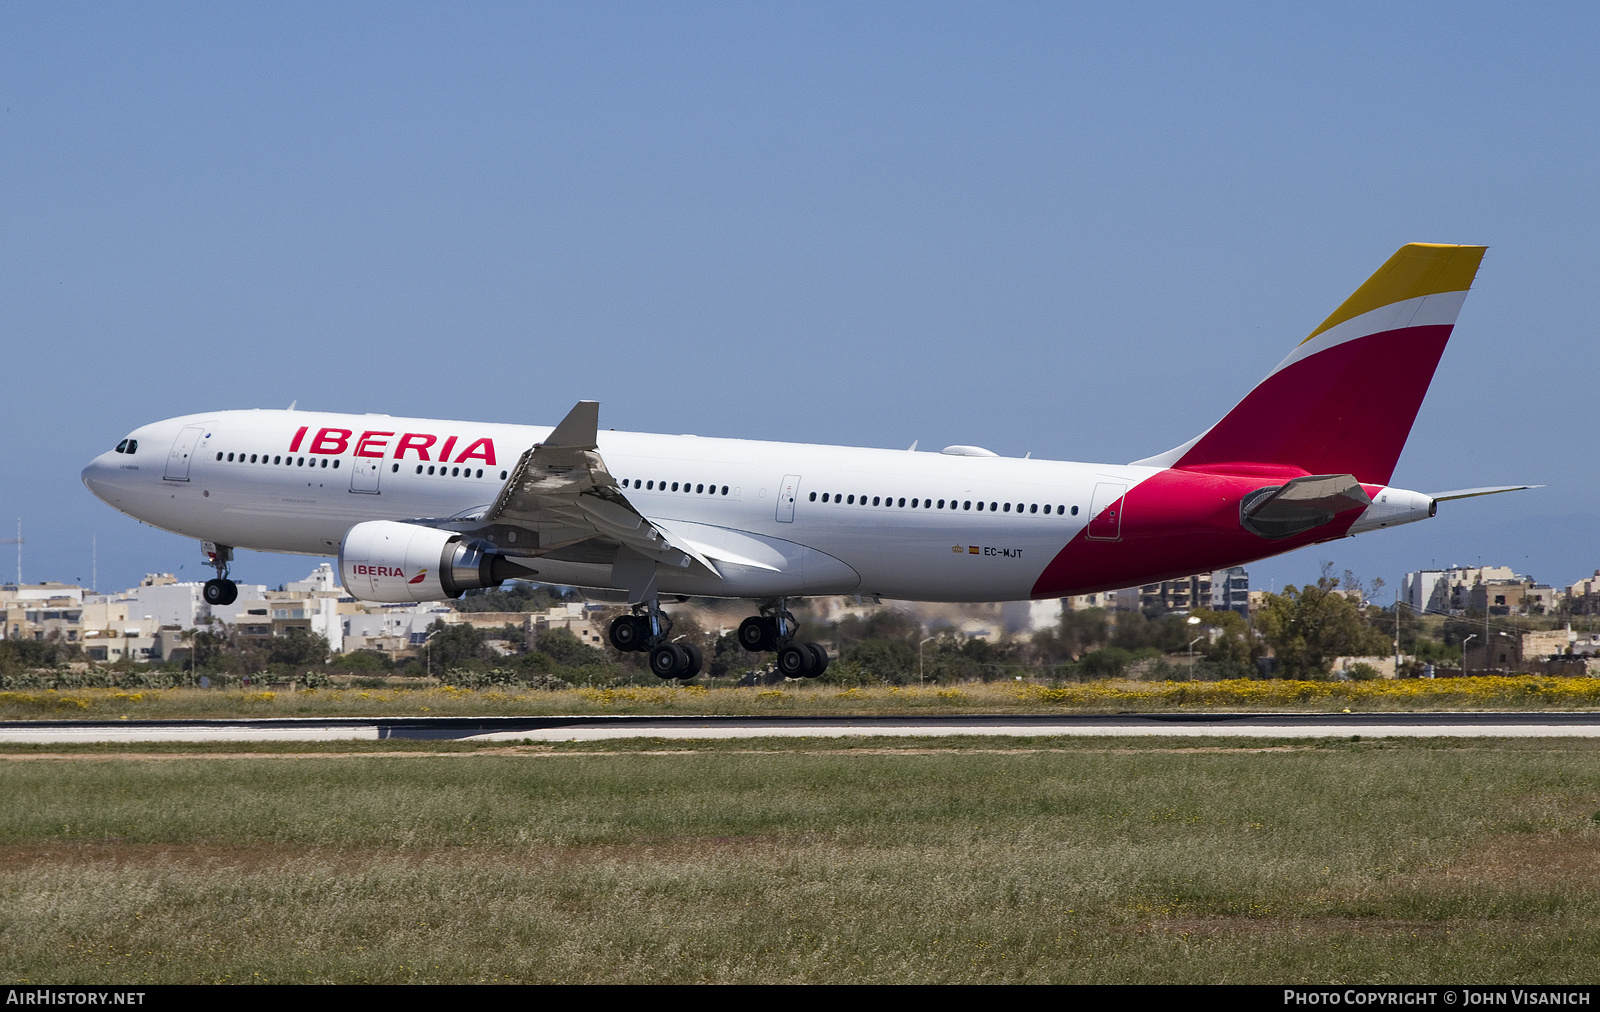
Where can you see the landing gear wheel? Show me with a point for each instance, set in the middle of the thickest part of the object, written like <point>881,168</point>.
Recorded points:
<point>221,592</point>
<point>795,661</point>
<point>629,633</point>
<point>758,634</point>
<point>697,661</point>
<point>819,658</point>
<point>669,660</point>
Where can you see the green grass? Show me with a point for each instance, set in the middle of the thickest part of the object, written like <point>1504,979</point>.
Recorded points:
<point>827,860</point>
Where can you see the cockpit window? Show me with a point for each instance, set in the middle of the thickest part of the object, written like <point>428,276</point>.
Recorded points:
<point>133,446</point>
<point>122,447</point>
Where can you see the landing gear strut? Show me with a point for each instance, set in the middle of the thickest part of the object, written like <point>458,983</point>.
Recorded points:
<point>649,629</point>
<point>220,591</point>
<point>774,630</point>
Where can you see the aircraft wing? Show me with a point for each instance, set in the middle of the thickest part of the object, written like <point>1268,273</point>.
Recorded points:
<point>561,492</point>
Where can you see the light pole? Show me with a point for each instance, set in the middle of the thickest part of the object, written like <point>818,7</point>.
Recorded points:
<point>1464,643</point>
<point>1197,639</point>
<point>919,660</point>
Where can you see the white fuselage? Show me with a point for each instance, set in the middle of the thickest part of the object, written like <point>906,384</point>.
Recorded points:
<point>910,524</point>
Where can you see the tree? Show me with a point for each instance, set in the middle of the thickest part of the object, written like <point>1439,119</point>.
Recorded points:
<point>298,649</point>
<point>1309,626</point>
<point>455,645</point>
<point>513,596</point>
<point>1232,649</point>
<point>565,649</point>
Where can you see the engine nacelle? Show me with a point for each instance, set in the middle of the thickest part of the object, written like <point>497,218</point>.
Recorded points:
<point>1392,507</point>
<point>389,562</point>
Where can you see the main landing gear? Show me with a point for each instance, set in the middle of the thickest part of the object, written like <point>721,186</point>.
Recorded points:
<point>649,629</point>
<point>773,630</point>
<point>221,590</point>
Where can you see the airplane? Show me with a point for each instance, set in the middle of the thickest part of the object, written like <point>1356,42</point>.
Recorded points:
<point>420,509</point>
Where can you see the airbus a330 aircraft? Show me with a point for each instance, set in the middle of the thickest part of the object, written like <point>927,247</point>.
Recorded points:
<point>423,509</point>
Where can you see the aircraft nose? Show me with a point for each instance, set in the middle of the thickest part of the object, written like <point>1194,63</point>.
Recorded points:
<point>95,476</point>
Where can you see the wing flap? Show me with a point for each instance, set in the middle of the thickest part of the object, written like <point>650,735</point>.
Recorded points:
<point>562,491</point>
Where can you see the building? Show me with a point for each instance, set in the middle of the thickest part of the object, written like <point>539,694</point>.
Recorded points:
<point>1448,591</point>
<point>1177,595</point>
<point>1230,591</point>
<point>1507,652</point>
<point>40,611</point>
<point>1583,597</point>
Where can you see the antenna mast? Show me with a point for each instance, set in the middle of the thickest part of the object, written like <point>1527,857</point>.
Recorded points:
<point>18,542</point>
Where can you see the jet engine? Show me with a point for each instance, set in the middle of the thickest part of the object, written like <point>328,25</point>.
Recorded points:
<point>385,561</point>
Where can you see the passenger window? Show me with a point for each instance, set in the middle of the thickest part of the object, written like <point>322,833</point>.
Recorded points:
<point>980,507</point>
<point>503,477</point>
<point>219,456</point>
<point>724,490</point>
<point>650,485</point>
<point>336,465</point>
<point>851,500</point>
<point>874,500</point>
<point>824,497</point>
<point>813,497</point>
<point>394,468</point>
<point>1034,508</point>
<point>277,460</point>
<point>1074,510</point>
<point>302,462</point>
<point>903,502</point>
<point>480,472</point>
<point>430,468</point>
<point>1008,508</point>
<point>941,504</point>
<point>968,505</point>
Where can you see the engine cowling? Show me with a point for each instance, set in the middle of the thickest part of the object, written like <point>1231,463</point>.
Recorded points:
<point>389,562</point>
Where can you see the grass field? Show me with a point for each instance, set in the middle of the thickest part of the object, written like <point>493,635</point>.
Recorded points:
<point>1521,693</point>
<point>960,859</point>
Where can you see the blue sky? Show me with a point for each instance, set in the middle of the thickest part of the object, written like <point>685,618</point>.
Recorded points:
<point>1080,231</point>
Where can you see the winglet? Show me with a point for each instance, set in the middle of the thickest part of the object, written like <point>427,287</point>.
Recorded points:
<point>580,430</point>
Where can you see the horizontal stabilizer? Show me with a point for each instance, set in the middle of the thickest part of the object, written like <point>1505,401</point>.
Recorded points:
<point>1302,504</point>
<point>1468,493</point>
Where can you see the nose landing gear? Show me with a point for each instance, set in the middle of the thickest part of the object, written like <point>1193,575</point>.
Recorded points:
<point>220,591</point>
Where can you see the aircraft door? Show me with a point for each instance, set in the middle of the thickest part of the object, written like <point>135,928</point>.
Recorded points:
<point>1105,512</point>
<point>365,473</point>
<point>182,451</point>
<point>786,496</point>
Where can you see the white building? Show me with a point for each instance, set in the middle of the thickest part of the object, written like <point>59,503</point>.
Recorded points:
<point>1448,591</point>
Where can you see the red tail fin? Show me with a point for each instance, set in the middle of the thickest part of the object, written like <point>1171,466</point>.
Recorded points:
<point>1344,400</point>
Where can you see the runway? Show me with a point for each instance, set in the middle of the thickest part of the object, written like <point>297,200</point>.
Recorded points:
<point>1519,724</point>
